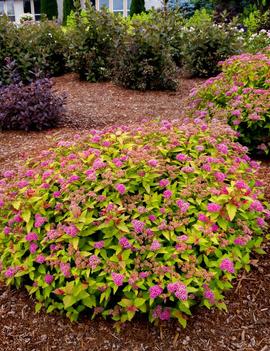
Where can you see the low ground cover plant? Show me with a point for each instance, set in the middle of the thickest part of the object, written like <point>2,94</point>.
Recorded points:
<point>241,96</point>
<point>152,219</point>
<point>30,107</point>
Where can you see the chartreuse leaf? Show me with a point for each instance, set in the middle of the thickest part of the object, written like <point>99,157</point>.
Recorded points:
<point>26,215</point>
<point>231,209</point>
<point>69,301</point>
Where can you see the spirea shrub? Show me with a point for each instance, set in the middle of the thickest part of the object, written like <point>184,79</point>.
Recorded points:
<point>149,220</point>
<point>241,95</point>
<point>30,107</point>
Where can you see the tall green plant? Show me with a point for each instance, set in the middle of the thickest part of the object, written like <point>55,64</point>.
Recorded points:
<point>49,8</point>
<point>68,7</point>
<point>136,7</point>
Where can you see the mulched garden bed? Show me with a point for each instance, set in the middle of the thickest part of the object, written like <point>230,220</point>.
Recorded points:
<point>245,327</point>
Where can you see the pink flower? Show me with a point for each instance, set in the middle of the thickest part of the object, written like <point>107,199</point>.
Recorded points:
<point>208,294</point>
<point>9,174</point>
<point>164,182</point>
<point>167,194</point>
<point>33,248</point>
<point>118,163</point>
<point>30,173</point>
<point>118,278</point>
<point>155,245</point>
<point>215,227</point>
<point>183,206</point>
<point>236,113</point>
<point>182,237</point>
<point>71,230</point>
<point>57,194</point>
<point>181,293</point>
<point>31,237</point>
<point>206,167</point>
<point>162,314</point>
<point>179,290</point>
<point>22,184</point>
<point>94,261</point>
<point>202,217</point>
<point>222,148</point>
<point>7,230</point>
<point>187,169</point>
<point>39,220</point>
<point>124,243</point>
<point>48,278</point>
<point>153,163</point>
<point>138,226</point>
<point>181,157</point>
<point>144,274</point>
<point>120,188</point>
<point>260,222</point>
<point>220,177</point>
<point>227,265</point>
<point>65,269</point>
<point>240,184</point>
<point>73,178</point>
<point>256,206</point>
<point>241,241</point>
<point>98,164</point>
<point>155,291</point>
<point>152,218</point>
<point>99,244</point>
<point>10,272</point>
<point>40,259</point>
<point>212,207</point>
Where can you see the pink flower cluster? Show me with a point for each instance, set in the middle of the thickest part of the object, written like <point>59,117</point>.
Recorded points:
<point>227,265</point>
<point>179,290</point>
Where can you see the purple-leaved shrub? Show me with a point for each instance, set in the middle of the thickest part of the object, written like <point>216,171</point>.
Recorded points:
<point>30,107</point>
<point>241,96</point>
<point>152,219</point>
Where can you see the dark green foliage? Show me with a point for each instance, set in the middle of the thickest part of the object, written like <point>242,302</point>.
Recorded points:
<point>93,44</point>
<point>144,60</point>
<point>136,7</point>
<point>33,49</point>
<point>206,44</point>
<point>49,8</point>
<point>67,8</point>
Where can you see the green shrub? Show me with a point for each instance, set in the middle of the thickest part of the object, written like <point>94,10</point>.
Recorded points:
<point>241,95</point>
<point>206,44</point>
<point>257,41</point>
<point>49,8</point>
<point>92,44</point>
<point>168,24</point>
<point>47,44</point>
<point>34,48</point>
<point>144,60</point>
<point>152,220</point>
<point>136,7</point>
<point>67,8</point>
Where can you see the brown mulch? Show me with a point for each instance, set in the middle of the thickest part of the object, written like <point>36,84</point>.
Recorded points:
<point>246,326</point>
<point>102,104</point>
